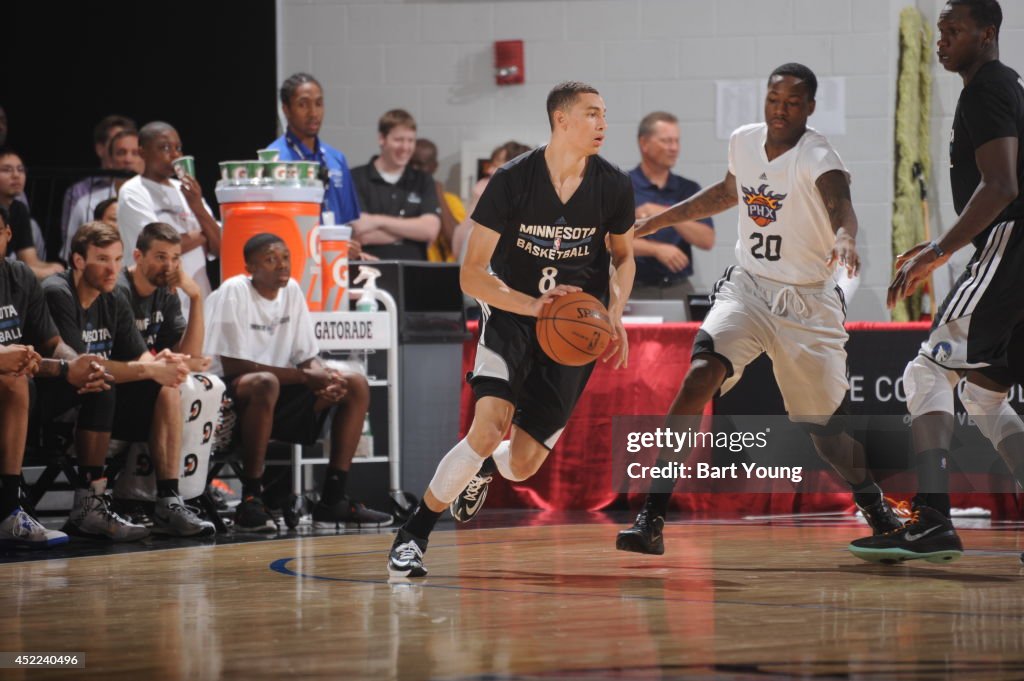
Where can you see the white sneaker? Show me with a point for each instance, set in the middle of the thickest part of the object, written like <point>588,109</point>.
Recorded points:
<point>19,529</point>
<point>172,516</point>
<point>91,516</point>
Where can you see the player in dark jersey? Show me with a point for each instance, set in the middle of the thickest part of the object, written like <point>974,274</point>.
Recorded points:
<point>541,228</point>
<point>27,334</point>
<point>146,411</point>
<point>979,323</point>
<point>93,318</point>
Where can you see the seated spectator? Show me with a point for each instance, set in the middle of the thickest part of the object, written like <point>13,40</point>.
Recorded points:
<point>159,196</point>
<point>101,136</point>
<point>23,243</point>
<point>302,101</point>
<point>106,211</point>
<point>499,157</point>
<point>664,259</point>
<point>37,233</point>
<point>424,159</point>
<point>124,155</point>
<point>92,318</point>
<point>29,346</point>
<point>400,214</point>
<point>149,285</point>
<point>261,336</point>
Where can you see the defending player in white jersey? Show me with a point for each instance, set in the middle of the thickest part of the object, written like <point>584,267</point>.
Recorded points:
<point>796,221</point>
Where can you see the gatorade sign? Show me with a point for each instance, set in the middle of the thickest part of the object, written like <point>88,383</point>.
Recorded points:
<point>352,330</point>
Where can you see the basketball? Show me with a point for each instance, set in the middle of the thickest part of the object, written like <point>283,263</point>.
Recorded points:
<point>574,330</point>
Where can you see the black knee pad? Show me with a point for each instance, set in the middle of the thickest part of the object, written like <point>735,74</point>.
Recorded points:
<point>704,344</point>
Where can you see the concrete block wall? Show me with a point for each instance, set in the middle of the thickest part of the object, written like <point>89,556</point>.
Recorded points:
<point>435,59</point>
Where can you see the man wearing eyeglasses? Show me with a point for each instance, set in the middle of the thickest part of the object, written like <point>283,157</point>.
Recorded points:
<point>159,196</point>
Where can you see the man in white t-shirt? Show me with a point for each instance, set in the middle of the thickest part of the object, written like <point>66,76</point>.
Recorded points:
<point>159,196</point>
<point>796,221</point>
<point>261,337</point>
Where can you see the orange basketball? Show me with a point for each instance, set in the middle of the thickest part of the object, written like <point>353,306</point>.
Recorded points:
<point>574,329</point>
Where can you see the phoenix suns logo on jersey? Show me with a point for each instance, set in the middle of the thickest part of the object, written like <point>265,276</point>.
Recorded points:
<point>762,204</point>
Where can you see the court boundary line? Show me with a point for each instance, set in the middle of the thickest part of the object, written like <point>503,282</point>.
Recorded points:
<point>279,566</point>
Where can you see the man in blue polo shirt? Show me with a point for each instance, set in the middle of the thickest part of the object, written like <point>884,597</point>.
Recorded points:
<point>664,259</point>
<point>302,100</point>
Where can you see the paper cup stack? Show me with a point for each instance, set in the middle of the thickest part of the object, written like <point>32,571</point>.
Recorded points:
<point>269,171</point>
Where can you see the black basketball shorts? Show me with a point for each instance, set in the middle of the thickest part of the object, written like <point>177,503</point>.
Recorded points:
<point>295,419</point>
<point>133,410</point>
<point>511,366</point>
<point>981,320</point>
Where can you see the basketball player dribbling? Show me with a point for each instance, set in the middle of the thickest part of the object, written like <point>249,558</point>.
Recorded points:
<point>795,222</point>
<point>541,226</point>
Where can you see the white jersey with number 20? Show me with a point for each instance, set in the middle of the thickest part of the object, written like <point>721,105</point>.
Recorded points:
<point>784,230</point>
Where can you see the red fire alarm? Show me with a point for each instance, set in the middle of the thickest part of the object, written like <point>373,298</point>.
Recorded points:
<point>509,65</point>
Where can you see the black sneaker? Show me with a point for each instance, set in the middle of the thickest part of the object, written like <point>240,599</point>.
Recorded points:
<point>928,535</point>
<point>218,497</point>
<point>134,511</point>
<point>406,557</point>
<point>881,517</point>
<point>346,510</point>
<point>252,515</point>
<point>646,535</point>
<point>471,500</point>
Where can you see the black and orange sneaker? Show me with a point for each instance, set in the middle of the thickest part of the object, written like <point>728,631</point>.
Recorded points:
<point>646,535</point>
<point>928,535</point>
<point>880,516</point>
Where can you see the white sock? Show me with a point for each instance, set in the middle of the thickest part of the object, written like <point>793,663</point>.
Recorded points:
<point>456,469</point>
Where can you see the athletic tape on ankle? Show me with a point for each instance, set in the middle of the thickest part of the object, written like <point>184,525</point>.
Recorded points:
<point>456,469</point>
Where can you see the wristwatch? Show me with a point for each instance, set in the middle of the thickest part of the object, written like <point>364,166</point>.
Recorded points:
<point>63,370</point>
<point>934,245</point>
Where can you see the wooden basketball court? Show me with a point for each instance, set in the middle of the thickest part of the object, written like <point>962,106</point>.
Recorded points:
<point>729,600</point>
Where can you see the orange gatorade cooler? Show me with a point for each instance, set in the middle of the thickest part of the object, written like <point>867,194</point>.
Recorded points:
<point>290,212</point>
<point>334,240</point>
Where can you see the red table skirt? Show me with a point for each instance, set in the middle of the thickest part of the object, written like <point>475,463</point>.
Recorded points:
<point>577,474</point>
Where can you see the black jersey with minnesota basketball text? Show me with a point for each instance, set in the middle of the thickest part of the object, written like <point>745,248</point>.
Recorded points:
<point>990,106</point>
<point>157,316</point>
<point>545,242</point>
<point>24,317</point>
<point>106,328</point>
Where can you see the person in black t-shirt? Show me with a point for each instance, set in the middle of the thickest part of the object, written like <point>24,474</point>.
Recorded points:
<point>12,189</point>
<point>27,334</point>
<point>400,210</point>
<point>544,225</point>
<point>93,317</point>
<point>147,411</point>
<point>979,323</point>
